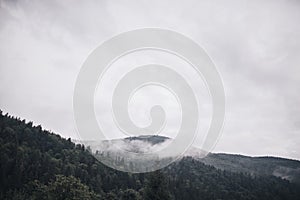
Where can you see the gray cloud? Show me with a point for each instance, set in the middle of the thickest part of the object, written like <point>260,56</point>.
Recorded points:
<point>255,45</point>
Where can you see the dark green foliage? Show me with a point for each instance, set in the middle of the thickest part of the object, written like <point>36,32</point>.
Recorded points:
<point>37,164</point>
<point>280,167</point>
<point>68,188</point>
<point>195,180</point>
<point>130,194</point>
<point>156,187</point>
<point>62,188</point>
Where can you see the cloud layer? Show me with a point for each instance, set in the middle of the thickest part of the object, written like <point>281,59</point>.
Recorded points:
<point>254,44</point>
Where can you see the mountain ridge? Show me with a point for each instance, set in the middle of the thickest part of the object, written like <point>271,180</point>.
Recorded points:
<point>34,162</point>
<point>280,167</point>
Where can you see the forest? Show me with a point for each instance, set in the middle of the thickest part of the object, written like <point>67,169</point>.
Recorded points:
<point>39,164</point>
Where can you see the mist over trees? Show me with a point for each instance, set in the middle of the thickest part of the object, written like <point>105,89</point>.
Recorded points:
<point>38,164</point>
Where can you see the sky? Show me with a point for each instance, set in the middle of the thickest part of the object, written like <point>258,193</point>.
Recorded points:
<point>254,44</point>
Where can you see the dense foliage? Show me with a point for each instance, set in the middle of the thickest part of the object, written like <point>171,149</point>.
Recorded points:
<point>280,167</point>
<point>38,164</point>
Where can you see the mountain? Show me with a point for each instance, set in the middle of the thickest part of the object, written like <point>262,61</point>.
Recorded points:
<point>279,167</point>
<point>152,139</point>
<point>138,144</point>
<point>38,164</point>
<point>267,166</point>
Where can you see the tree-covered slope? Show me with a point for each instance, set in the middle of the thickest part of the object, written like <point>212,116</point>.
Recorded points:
<point>38,164</point>
<point>280,167</point>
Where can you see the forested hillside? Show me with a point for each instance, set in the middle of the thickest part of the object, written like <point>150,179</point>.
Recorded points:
<point>38,164</point>
<point>267,166</point>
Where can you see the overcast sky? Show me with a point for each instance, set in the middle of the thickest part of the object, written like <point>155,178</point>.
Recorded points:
<point>254,44</point>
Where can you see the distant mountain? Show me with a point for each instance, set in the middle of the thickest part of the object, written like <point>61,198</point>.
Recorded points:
<point>138,144</point>
<point>270,166</point>
<point>38,164</point>
<point>279,167</point>
<point>152,139</point>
